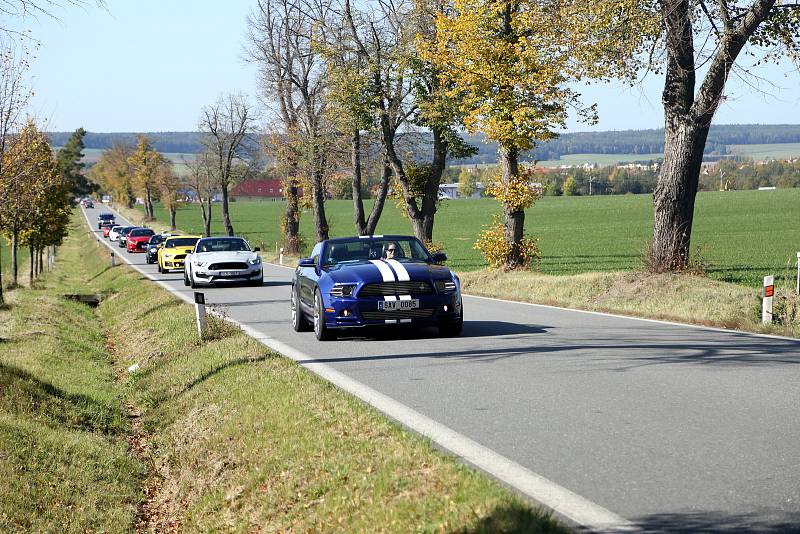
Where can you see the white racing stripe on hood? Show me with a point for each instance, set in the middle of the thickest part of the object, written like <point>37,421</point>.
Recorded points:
<point>386,271</point>
<point>402,274</point>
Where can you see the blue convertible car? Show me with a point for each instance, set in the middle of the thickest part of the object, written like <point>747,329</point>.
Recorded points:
<point>374,280</point>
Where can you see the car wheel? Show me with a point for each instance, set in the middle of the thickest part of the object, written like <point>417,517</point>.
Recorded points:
<point>322,332</point>
<point>193,283</point>
<point>160,270</point>
<point>299,322</point>
<point>257,283</point>
<point>185,278</point>
<point>453,329</point>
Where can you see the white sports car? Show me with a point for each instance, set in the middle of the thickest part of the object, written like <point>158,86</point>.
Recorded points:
<point>222,260</point>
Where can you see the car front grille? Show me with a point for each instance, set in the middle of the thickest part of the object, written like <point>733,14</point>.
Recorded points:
<point>396,288</point>
<point>227,266</point>
<point>179,257</point>
<point>397,314</point>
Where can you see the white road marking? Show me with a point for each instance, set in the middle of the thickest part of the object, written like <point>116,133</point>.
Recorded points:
<point>546,492</point>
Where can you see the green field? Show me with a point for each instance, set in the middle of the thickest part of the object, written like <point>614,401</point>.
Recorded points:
<point>758,152</point>
<point>598,159</point>
<point>742,235</point>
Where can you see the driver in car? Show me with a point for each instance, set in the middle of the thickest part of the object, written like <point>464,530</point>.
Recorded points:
<point>392,251</point>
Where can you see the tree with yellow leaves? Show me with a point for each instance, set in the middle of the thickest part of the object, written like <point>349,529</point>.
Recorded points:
<point>146,163</point>
<point>113,174</point>
<point>508,63</point>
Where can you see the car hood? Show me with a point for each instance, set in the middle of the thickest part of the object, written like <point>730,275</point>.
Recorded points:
<point>214,257</point>
<point>137,239</point>
<point>370,272</point>
<point>179,250</point>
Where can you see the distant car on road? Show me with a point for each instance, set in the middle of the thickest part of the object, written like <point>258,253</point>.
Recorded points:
<point>153,245</point>
<point>113,234</point>
<point>172,254</point>
<point>105,218</point>
<point>137,239</point>
<point>123,232</point>
<point>374,280</point>
<point>223,260</point>
<point>107,229</point>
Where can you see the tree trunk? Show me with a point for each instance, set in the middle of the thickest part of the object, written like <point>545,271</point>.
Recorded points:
<point>173,213</point>
<point>292,236</point>
<point>380,200</point>
<point>515,218</point>
<point>674,196</point>
<point>32,266</point>
<point>355,162</point>
<point>208,218</point>
<point>148,204</point>
<point>14,259</point>
<point>226,218</point>
<point>2,297</point>
<point>320,221</point>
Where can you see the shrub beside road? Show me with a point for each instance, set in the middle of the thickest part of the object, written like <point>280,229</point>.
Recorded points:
<point>235,436</point>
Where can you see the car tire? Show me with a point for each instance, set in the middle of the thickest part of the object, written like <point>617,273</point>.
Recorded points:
<point>299,323</point>
<point>322,332</point>
<point>257,283</point>
<point>186,281</point>
<point>160,270</point>
<point>193,284</point>
<point>453,329</point>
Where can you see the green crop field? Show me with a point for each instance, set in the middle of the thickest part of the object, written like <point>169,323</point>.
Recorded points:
<point>598,159</point>
<point>759,152</point>
<point>741,235</point>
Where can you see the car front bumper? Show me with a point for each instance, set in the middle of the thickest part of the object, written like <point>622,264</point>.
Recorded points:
<point>352,312</point>
<point>205,276</point>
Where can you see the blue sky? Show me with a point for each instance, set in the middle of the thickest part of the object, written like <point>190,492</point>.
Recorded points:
<point>150,65</point>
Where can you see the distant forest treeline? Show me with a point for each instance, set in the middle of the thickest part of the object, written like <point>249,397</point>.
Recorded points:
<point>612,142</point>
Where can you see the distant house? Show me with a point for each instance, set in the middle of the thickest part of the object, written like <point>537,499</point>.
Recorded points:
<point>450,191</point>
<point>266,189</point>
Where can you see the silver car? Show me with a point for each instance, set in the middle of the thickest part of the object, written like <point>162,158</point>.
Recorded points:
<point>223,260</point>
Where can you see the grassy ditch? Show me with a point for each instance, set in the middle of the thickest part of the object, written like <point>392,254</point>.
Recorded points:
<point>681,298</point>
<point>233,436</point>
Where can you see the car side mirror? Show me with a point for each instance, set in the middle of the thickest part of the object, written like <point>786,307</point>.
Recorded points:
<point>306,262</point>
<point>439,257</point>
<point>257,249</point>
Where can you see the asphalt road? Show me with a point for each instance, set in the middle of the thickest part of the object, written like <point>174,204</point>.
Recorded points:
<point>671,427</point>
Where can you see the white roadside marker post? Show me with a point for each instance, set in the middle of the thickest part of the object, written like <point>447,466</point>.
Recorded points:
<point>200,312</point>
<point>113,259</point>
<point>766,302</point>
<point>797,286</point>
<point>280,258</point>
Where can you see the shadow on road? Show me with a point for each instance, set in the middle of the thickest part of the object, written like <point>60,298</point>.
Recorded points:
<point>769,521</point>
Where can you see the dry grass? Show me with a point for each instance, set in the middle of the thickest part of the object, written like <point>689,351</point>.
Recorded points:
<point>680,298</point>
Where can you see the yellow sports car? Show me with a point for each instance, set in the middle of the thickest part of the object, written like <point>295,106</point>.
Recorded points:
<point>173,252</point>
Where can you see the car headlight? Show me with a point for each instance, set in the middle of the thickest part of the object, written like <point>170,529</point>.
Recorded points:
<point>200,264</point>
<point>342,290</point>
<point>254,261</point>
<point>168,255</point>
<point>445,285</point>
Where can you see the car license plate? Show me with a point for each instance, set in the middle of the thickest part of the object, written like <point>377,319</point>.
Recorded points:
<point>228,273</point>
<point>394,305</point>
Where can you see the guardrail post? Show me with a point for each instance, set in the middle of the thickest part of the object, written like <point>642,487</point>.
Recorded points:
<point>200,312</point>
<point>766,301</point>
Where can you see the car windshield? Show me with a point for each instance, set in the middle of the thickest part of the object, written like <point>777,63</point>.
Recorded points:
<point>126,229</point>
<point>181,242</point>
<point>222,244</point>
<point>156,239</point>
<point>141,232</point>
<point>359,249</point>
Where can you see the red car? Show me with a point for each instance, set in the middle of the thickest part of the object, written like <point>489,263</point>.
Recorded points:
<point>137,239</point>
<point>107,228</point>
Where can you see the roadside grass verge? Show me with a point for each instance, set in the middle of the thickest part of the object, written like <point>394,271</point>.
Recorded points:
<point>64,461</point>
<point>671,297</point>
<point>238,438</point>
